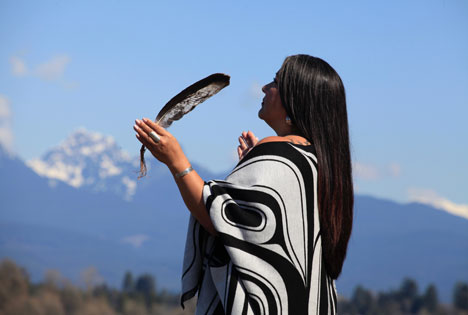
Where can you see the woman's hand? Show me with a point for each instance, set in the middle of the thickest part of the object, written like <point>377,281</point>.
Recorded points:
<point>167,149</point>
<point>246,142</point>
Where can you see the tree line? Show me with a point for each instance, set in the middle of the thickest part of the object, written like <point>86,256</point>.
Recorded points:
<point>405,300</point>
<point>139,295</point>
<point>58,296</point>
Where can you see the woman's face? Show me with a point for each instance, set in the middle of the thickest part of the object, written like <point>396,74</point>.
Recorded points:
<point>272,111</point>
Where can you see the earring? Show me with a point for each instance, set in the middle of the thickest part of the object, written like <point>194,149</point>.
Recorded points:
<point>288,121</point>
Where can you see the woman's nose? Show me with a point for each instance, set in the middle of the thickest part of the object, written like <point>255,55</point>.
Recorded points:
<point>264,88</point>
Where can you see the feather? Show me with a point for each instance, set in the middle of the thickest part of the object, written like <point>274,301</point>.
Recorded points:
<point>185,102</point>
<point>190,97</point>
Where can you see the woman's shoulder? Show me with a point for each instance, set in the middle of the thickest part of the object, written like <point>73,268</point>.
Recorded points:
<point>278,145</point>
<point>281,141</point>
<point>273,139</point>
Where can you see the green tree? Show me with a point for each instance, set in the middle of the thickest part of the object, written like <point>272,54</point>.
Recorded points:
<point>409,289</point>
<point>128,284</point>
<point>408,296</point>
<point>145,286</point>
<point>460,296</point>
<point>90,277</point>
<point>430,299</point>
<point>102,290</point>
<point>388,303</point>
<point>72,299</point>
<point>363,301</point>
<point>14,283</point>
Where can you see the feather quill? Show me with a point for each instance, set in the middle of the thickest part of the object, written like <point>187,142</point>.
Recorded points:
<point>185,102</point>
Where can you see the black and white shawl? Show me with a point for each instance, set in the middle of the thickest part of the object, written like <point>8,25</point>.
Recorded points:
<point>267,257</point>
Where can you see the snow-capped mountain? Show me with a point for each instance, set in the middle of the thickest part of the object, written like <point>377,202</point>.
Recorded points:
<point>90,161</point>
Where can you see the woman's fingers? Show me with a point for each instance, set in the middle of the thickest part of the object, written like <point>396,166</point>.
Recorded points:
<point>142,139</point>
<point>143,136</point>
<point>154,126</point>
<point>146,126</point>
<point>239,152</point>
<point>142,125</point>
<point>167,150</point>
<point>251,139</point>
<point>138,130</point>
<point>242,143</point>
<point>247,141</point>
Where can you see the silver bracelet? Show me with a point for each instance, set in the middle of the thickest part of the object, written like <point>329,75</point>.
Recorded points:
<point>184,172</point>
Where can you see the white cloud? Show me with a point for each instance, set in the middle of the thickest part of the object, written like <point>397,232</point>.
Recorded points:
<point>131,187</point>
<point>18,66</point>
<point>4,108</point>
<point>6,133</point>
<point>394,169</point>
<point>365,171</point>
<point>54,68</point>
<point>51,70</point>
<point>430,197</point>
<point>135,240</point>
<point>369,171</point>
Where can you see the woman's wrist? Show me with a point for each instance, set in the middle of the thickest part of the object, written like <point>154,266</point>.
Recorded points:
<point>183,173</point>
<point>178,168</point>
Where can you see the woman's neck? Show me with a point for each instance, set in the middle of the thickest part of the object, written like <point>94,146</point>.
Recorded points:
<point>296,139</point>
<point>286,130</point>
<point>293,136</point>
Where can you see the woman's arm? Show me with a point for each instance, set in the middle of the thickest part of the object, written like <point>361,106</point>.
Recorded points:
<point>191,189</point>
<point>169,152</point>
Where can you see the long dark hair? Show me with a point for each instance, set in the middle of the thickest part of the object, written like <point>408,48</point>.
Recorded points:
<point>314,98</point>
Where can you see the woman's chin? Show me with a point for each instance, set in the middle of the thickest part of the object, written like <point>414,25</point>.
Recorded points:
<point>260,114</point>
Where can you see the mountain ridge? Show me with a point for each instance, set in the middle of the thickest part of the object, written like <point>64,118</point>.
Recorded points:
<point>146,233</point>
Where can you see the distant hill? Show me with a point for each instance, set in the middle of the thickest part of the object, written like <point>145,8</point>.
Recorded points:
<point>391,240</point>
<point>90,210</point>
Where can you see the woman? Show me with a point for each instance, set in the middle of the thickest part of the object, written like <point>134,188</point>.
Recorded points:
<point>272,237</point>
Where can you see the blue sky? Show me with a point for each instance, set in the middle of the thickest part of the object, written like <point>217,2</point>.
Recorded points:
<point>101,64</point>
